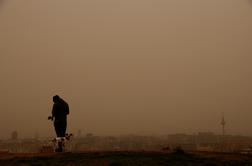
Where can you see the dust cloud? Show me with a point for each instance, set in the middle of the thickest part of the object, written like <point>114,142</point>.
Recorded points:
<point>126,66</point>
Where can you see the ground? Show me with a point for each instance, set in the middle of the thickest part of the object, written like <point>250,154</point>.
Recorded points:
<point>139,158</point>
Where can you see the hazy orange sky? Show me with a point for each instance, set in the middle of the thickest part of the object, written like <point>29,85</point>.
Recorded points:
<point>126,66</point>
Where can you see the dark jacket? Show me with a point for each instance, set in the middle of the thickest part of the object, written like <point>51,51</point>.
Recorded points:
<point>60,110</point>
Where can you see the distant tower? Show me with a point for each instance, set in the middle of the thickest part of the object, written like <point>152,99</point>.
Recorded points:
<point>223,124</point>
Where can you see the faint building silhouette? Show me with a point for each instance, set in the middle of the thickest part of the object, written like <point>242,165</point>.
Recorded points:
<point>14,135</point>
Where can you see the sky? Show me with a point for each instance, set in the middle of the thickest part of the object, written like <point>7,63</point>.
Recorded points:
<point>147,67</point>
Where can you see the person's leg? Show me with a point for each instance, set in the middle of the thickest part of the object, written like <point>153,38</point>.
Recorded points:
<point>61,129</point>
<point>60,146</point>
<point>57,129</point>
<point>62,133</point>
<point>64,127</point>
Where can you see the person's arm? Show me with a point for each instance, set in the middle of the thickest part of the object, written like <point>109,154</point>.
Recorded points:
<point>53,112</point>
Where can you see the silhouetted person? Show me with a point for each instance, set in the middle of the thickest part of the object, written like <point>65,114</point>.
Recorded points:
<point>59,115</point>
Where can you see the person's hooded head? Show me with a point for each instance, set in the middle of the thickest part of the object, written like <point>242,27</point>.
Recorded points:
<point>56,99</point>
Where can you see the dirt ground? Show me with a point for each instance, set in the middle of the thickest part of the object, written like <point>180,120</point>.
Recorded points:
<point>125,159</point>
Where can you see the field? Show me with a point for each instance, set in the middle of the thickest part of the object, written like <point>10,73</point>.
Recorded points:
<point>139,158</point>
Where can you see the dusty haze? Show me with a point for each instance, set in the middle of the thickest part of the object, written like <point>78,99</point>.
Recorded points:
<point>126,66</point>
